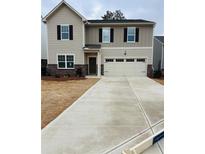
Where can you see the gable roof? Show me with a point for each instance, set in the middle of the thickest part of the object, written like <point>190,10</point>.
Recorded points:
<point>99,21</point>
<point>61,3</point>
<point>160,38</point>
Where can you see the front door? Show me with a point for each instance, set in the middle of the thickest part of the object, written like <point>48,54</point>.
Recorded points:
<point>92,65</point>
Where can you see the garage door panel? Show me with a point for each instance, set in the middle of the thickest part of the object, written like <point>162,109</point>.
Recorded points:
<point>125,69</point>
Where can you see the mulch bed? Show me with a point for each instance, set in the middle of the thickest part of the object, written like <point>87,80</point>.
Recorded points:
<point>53,78</point>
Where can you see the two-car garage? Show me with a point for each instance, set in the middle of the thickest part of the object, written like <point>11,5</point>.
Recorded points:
<point>125,66</point>
<point>127,61</point>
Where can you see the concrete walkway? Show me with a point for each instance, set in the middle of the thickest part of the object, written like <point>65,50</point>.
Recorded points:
<point>114,114</point>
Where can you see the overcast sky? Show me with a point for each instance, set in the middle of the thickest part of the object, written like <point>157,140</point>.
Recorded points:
<point>135,9</point>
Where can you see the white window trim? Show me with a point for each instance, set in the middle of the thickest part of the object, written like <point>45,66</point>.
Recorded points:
<point>64,32</point>
<point>103,37</point>
<point>67,54</point>
<point>131,35</point>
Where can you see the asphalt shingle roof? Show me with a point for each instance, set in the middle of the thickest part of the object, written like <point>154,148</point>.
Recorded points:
<point>120,21</point>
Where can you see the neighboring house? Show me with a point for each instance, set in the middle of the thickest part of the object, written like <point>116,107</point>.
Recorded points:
<point>158,53</point>
<point>43,44</point>
<point>98,47</point>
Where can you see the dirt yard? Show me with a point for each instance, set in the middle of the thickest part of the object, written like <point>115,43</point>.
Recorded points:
<point>161,81</point>
<point>56,96</point>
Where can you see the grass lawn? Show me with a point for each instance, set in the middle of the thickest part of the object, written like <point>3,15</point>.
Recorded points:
<point>56,96</point>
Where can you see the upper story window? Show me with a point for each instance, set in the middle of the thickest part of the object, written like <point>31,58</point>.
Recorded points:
<point>131,34</point>
<point>65,61</point>
<point>64,32</point>
<point>106,35</point>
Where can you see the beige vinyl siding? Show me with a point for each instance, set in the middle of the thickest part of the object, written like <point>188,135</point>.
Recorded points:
<point>130,53</point>
<point>65,16</point>
<point>145,36</point>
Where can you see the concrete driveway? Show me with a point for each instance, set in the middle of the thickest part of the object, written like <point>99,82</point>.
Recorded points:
<point>116,113</point>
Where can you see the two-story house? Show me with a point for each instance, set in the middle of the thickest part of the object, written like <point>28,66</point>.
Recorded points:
<point>97,47</point>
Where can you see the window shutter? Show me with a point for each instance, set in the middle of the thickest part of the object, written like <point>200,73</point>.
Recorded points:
<point>71,32</point>
<point>137,35</point>
<point>58,32</point>
<point>125,34</point>
<point>100,35</point>
<point>111,35</point>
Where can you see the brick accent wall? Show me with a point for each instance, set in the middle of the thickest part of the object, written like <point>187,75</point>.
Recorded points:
<point>43,67</point>
<point>43,62</point>
<point>53,70</point>
<point>149,71</point>
<point>86,69</point>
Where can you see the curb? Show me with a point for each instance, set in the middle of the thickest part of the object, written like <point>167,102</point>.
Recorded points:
<point>139,148</point>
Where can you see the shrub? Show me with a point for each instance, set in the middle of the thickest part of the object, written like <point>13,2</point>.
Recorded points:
<point>57,75</point>
<point>79,72</point>
<point>157,74</point>
<point>66,75</point>
<point>43,71</point>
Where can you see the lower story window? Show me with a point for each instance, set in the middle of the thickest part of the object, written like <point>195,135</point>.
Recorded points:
<point>65,61</point>
<point>70,61</point>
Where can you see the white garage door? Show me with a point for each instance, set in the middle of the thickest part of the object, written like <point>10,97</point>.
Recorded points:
<point>125,67</point>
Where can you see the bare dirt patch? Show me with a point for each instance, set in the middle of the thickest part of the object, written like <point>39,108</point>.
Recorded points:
<point>161,81</point>
<point>56,96</point>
